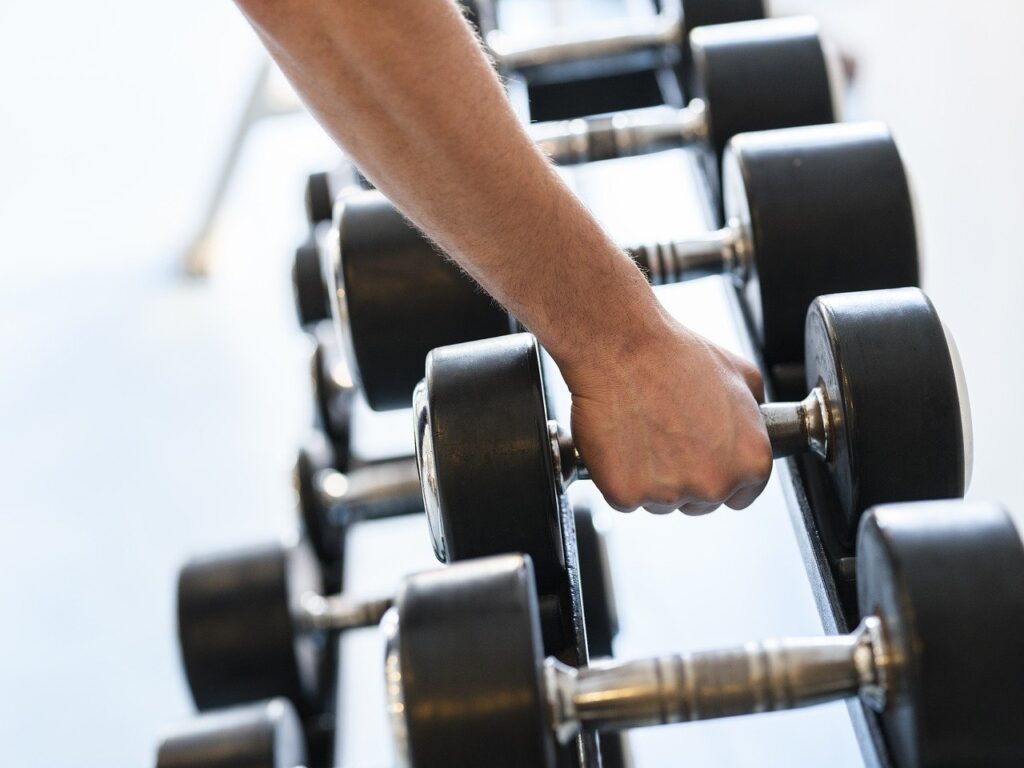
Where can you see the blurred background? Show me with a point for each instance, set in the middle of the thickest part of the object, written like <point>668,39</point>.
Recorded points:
<point>146,415</point>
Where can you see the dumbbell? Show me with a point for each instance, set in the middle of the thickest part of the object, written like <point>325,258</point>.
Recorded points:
<point>886,414</point>
<point>936,656</point>
<point>255,624</point>
<point>749,76</point>
<point>809,211</point>
<point>266,734</point>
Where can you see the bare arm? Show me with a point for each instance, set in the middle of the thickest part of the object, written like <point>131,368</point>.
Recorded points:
<point>405,88</point>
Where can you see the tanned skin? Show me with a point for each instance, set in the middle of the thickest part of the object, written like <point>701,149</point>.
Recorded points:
<point>663,418</point>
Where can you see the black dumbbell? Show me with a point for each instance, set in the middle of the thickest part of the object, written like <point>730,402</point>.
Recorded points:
<point>266,734</point>
<point>886,414</point>
<point>809,211</point>
<point>751,76</point>
<point>936,655</point>
<point>255,624</point>
<point>312,300</point>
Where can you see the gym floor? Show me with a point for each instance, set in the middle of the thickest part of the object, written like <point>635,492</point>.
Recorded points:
<point>148,416</point>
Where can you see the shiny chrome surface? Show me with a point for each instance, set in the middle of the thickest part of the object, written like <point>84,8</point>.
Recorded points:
<point>333,277</point>
<point>796,427</point>
<point>336,613</point>
<point>793,427</point>
<point>621,134</point>
<point>565,458</point>
<point>611,39</point>
<point>718,251</point>
<point>763,676</point>
<point>427,468</point>
<point>390,627</point>
<point>371,491</point>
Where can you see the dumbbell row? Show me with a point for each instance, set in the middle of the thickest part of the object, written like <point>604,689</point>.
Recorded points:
<point>256,623</point>
<point>754,76</point>
<point>809,211</point>
<point>929,659</point>
<point>885,387</point>
<point>751,76</point>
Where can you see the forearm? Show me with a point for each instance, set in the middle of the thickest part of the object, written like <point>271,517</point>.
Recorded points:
<point>406,90</point>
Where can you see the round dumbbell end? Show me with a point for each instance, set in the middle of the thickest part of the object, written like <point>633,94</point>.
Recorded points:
<point>822,209</point>
<point>761,75</point>
<point>486,437</point>
<point>311,301</point>
<point>706,13</point>
<point>319,198</point>
<point>882,360</point>
<point>471,666</point>
<point>267,734</point>
<point>945,580</point>
<point>398,298</point>
<point>239,640</point>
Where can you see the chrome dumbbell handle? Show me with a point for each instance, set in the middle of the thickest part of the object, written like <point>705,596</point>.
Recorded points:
<point>757,677</point>
<point>621,134</point>
<point>719,251</point>
<point>336,613</point>
<point>793,427</point>
<point>372,491</point>
<point>622,37</point>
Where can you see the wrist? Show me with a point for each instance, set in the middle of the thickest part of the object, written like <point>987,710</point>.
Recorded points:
<point>619,326</point>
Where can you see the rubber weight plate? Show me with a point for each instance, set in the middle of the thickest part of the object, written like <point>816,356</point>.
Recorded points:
<point>599,611</point>
<point>311,299</point>
<point>481,415</point>
<point>946,578</point>
<point>267,734</point>
<point>826,209</point>
<point>704,13</point>
<point>398,299</point>
<point>760,76</point>
<point>238,638</point>
<point>471,666</point>
<point>884,362</point>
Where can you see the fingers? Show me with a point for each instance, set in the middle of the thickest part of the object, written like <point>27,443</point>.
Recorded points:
<point>698,508</point>
<point>750,373</point>
<point>745,497</point>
